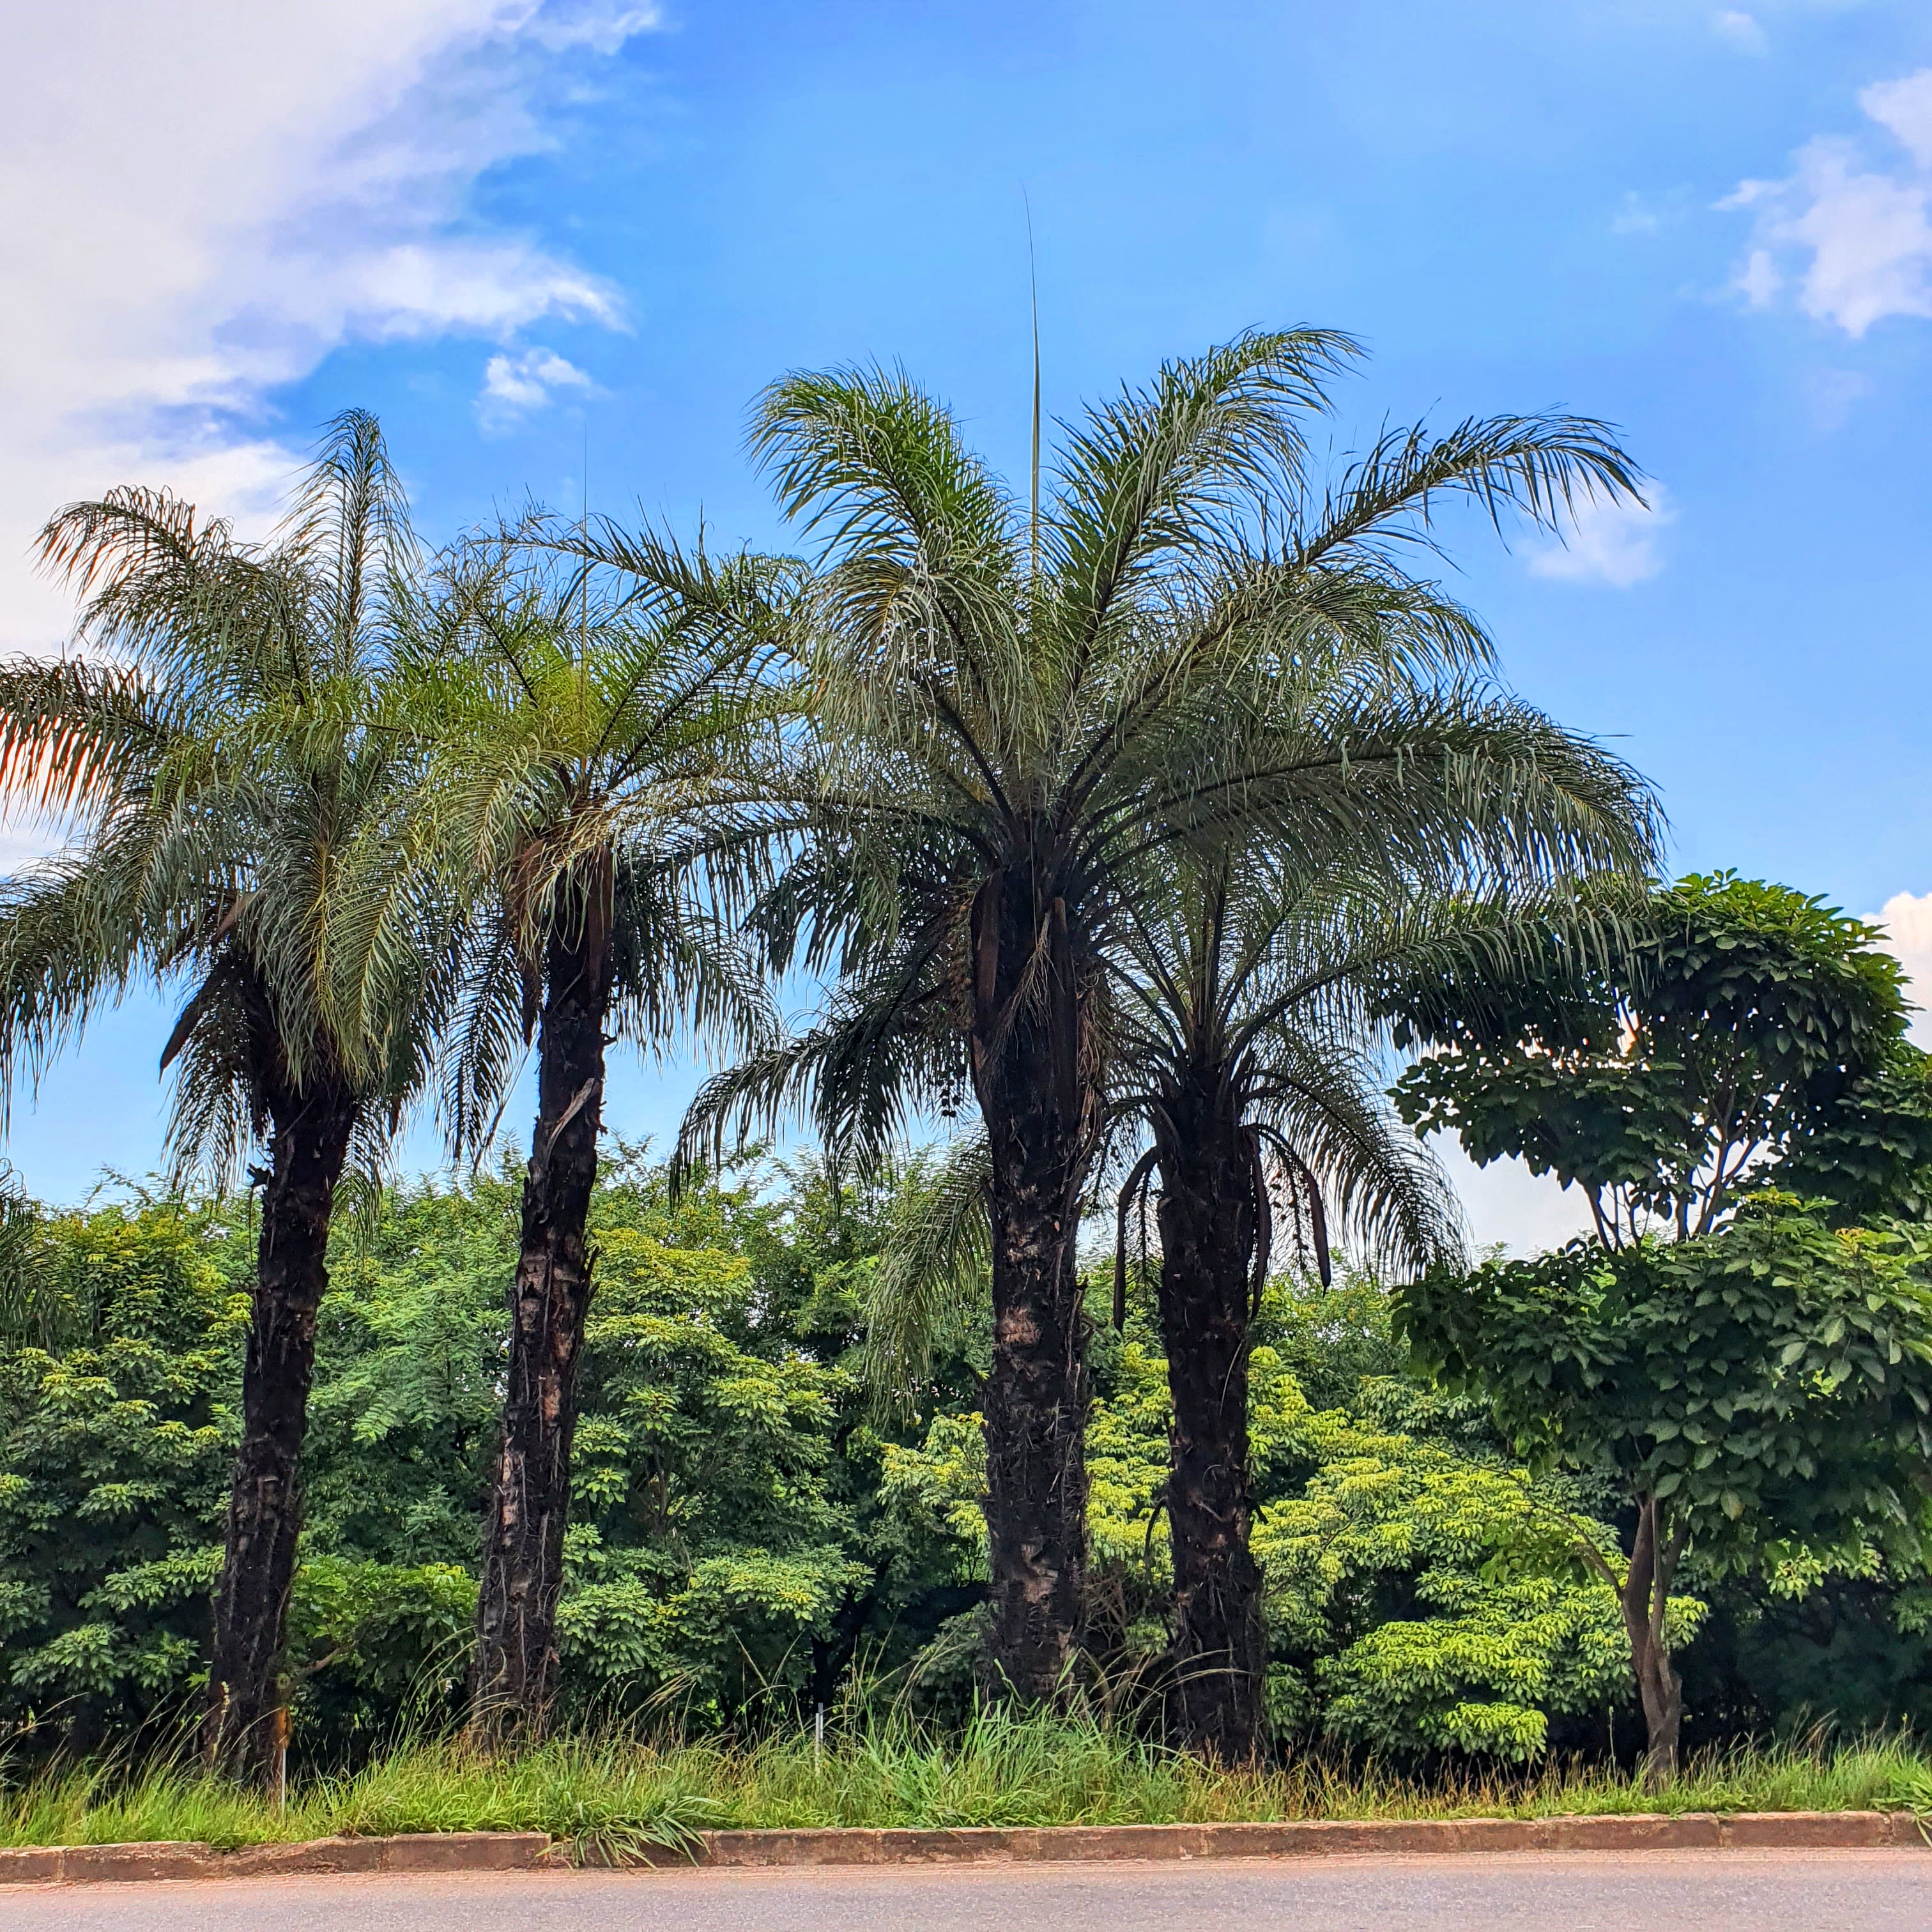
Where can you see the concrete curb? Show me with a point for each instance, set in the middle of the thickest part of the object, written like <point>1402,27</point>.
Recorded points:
<point>1313,1838</point>
<point>518,1851</point>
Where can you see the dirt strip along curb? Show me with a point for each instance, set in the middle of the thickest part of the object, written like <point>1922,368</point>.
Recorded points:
<point>417,1851</point>
<point>516,1851</point>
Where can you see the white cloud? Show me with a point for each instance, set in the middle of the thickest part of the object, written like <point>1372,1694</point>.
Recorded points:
<point>1905,107</point>
<point>1636,216</point>
<point>1860,224</point>
<point>1505,1203</point>
<point>514,385</point>
<point>1611,542</point>
<point>1741,31</point>
<point>204,199</point>
<point>1907,919</point>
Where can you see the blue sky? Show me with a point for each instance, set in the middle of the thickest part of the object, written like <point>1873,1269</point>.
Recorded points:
<point>531,235</point>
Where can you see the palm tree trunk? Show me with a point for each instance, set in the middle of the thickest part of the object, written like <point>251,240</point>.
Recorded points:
<point>245,1727</point>
<point>513,1683</point>
<point>1207,1235</point>
<point>1027,1074</point>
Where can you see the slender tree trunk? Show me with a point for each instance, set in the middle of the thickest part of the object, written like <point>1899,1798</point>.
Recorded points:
<point>1033,1094</point>
<point>513,1683</point>
<point>1646,1592</point>
<point>246,1724</point>
<point>1207,1235</point>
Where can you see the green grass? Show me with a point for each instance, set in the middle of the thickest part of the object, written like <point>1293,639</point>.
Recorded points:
<point>610,1794</point>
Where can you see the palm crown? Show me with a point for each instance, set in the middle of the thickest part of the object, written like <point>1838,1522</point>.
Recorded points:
<point>1017,707</point>
<point>585,751</point>
<point>565,849</point>
<point>216,757</point>
<point>228,743</point>
<point>1146,657</point>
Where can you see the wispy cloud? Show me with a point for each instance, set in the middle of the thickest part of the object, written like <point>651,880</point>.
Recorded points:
<point>203,200</point>
<point>1649,214</point>
<point>1853,219</point>
<point>1614,543</point>
<point>1740,30</point>
<point>515,385</point>
<point>1758,280</point>
<point>1833,393</point>
<point>601,26</point>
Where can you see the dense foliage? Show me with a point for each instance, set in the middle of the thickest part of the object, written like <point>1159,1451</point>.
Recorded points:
<point>749,1537</point>
<point>1755,1396</point>
<point>1657,1054</point>
<point>394,813</point>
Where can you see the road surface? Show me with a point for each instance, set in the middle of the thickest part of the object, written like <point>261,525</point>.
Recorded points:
<point>1574,1892</point>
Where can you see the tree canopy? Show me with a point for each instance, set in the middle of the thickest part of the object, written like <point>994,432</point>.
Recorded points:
<point>1760,1391</point>
<point>1654,1051</point>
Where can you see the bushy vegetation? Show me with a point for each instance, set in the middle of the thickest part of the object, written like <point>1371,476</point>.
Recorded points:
<point>752,1538</point>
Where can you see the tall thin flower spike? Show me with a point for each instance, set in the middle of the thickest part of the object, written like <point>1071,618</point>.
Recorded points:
<point>1033,279</point>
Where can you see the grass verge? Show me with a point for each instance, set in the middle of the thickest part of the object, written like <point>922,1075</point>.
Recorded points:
<point>610,1794</point>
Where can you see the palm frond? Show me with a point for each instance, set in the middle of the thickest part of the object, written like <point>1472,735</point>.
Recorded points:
<point>1157,478</point>
<point>933,1270</point>
<point>230,740</point>
<point>1536,467</point>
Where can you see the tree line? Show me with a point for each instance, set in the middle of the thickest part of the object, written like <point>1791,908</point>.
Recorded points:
<point>1137,817</point>
<point>752,1540</point>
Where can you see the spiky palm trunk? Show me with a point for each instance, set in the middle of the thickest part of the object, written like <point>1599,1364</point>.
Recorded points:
<point>1031,1085</point>
<point>1208,1231</point>
<point>514,1681</point>
<point>246,1726</point>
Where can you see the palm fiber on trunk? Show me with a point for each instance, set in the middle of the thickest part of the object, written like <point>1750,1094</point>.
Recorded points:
<point>1208,1231</point>
<point>514,1682</point>
<point>247,1694</point>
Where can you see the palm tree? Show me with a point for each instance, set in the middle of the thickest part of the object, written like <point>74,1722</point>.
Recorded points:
<point>212,762</point>
<point>1252,1061</point>
<point>1015,704</point>
<point>587,743</point>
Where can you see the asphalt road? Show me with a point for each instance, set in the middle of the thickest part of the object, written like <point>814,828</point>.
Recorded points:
<point>1576,1892</point>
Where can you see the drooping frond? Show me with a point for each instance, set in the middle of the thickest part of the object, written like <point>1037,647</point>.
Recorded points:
<point>933,1270</point>
<point>880,1048</point>
<point>1538,468</point>
<point>76,737</point>
<point>1326,1106</point>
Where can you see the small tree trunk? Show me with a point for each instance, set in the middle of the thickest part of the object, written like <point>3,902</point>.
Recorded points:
<point>1032,1095</point>
<point>309,1143</point>
<point>1645,1593</point>
<point>1207,1234</point>
<point>514,1682</point>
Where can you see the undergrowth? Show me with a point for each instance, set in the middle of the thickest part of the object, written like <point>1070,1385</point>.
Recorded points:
<point>611,1794</point>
